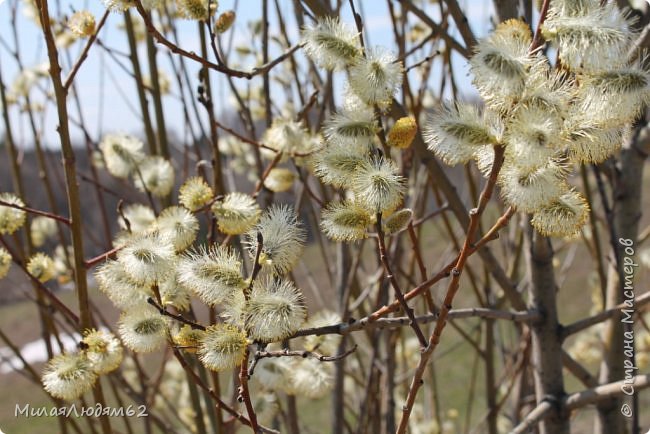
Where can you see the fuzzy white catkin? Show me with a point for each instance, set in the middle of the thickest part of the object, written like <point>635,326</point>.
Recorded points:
<point>212,274</point>
<point>11,219</point>
<point>143,329</point>
<point>68,376</point>
<point>283,239</point>
<point>122,154</point>
<point>331,44</point>
<point>275,309</point>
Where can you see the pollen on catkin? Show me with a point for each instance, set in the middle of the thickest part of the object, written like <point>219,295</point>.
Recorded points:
<point>376,77</point>
<point>455,133</point>
<point>42,267</point>
<point>627,89</point>
<point>82,24</point>
<point>41,229</point>
<point>529,190</point>
<point>147,258</point>
<point>117,5</point>
<point>562,217</point>
<point>188,338</point>
<point>119,287</point>
<point>326,344</point>
<point>531,136</point>
<point>286,135</point>
<point>225,21</point>
<point>195,193</point>
<point>500,67</point>
<point>273,374</point>
<point>283,239</point>
<point>403,132</point>
<point>591,38</point>
<point>11,219</point>
<point>236,213</point>
<point>140,218</point>
<point>222,347</point>
<point>397,221</point>
<point>172,293</point>
<point>5,262</point>
<point>68,376</point>
<point>275,309</point>
<point>346,126</point>
<point>336,164</point>
<point>196,9</point>
<point>311,378</point>
<point>103,351</point>
<point>587,142</point>
<point>279,179</point>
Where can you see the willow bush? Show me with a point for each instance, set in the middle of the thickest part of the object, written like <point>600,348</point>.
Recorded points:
<point>292,261</point>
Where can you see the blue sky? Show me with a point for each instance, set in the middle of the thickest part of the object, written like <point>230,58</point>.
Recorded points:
<point>107,93</point>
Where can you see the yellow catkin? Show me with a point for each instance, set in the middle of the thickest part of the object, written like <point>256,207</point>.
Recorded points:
<point>225,21</point>
<point>82,24</point>
<point>403,132</point>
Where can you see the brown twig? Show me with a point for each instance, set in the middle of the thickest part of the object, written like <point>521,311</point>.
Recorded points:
<point>582,324</point>
<point>244,394</point>
<point>84,53</point>
<point>452,288</point>
<point>581,399</point>
<point>160,38</point>
<point>256,143</point>
<point>177,317</point>
<point>220,404</point>
<point>41,287</point>
<point>265,174</point>
<point>538,38</point>
<point>345,328</point>
<point>492,234</point>
<point>399,295</point>
<point>103,257</point>
<point>296,353</point>
<point>37,212</point>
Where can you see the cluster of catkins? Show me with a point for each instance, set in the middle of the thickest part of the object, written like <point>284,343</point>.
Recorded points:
<point>40,265</point>
<point>66,376</point>
<point>190,9</point>
<point>157,259</point>
<point>349,158</point>
<point>547,118</point>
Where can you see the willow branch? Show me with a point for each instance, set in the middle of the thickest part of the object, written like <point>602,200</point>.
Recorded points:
<point>161,39</point>
<point>37,212</point>
<point>383,255</point>
<point>581,399</point>
<point>452,288</point>
<point>84,53</point>
<point>584,323</point>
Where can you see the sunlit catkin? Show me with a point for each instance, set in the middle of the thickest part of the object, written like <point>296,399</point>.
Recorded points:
<point>68,376</point>
<point>283,238</point>
<point>275,309</point>
<point>222,347</point>
<point>11,219</point>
